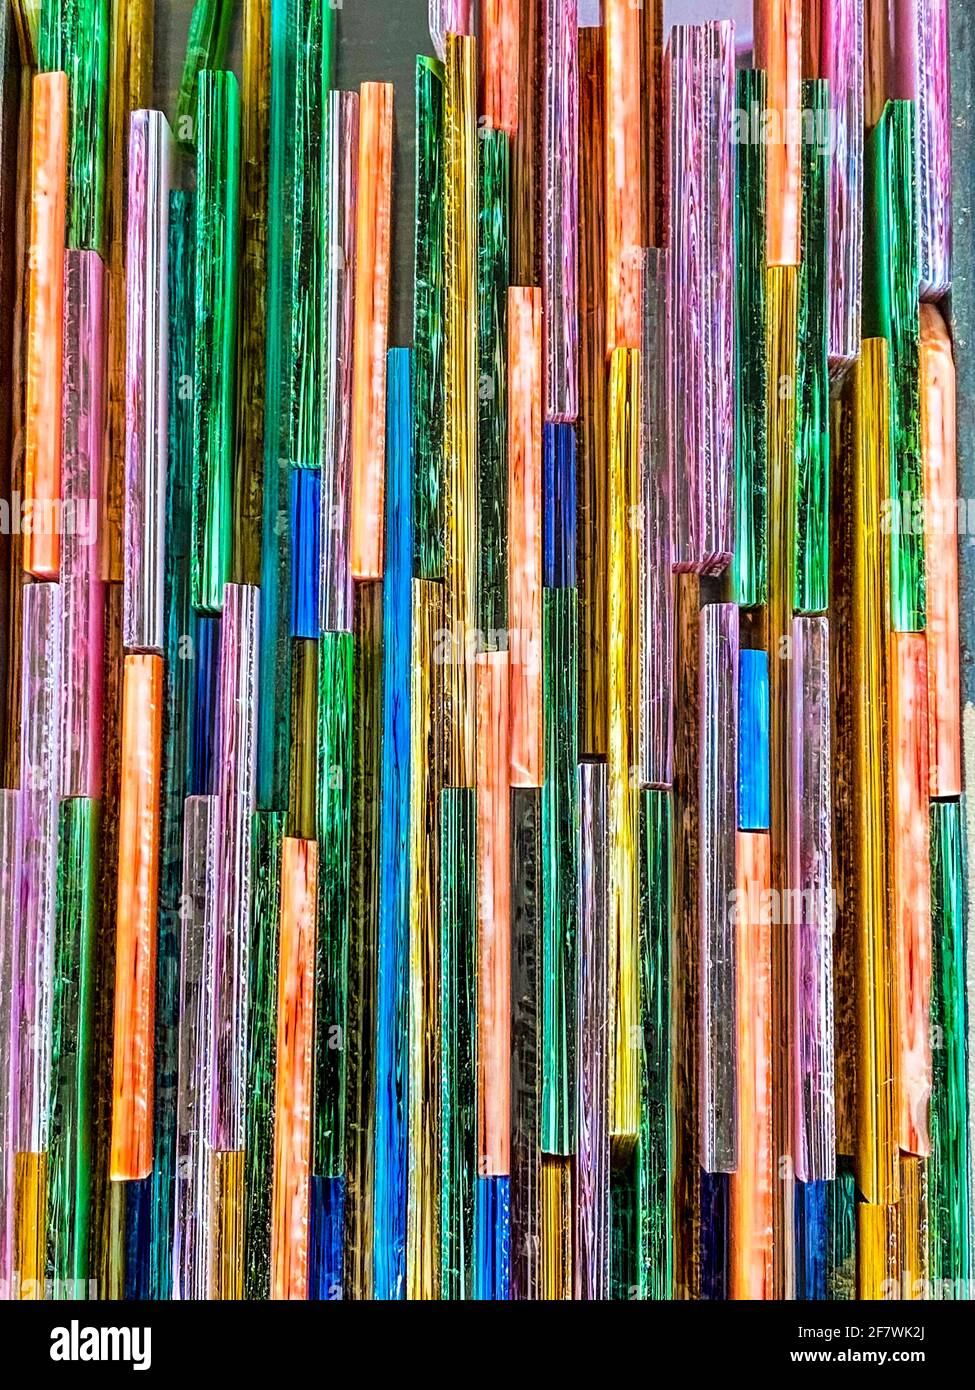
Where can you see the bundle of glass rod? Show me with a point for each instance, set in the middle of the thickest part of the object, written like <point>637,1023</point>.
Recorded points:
<point>482,669</point>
